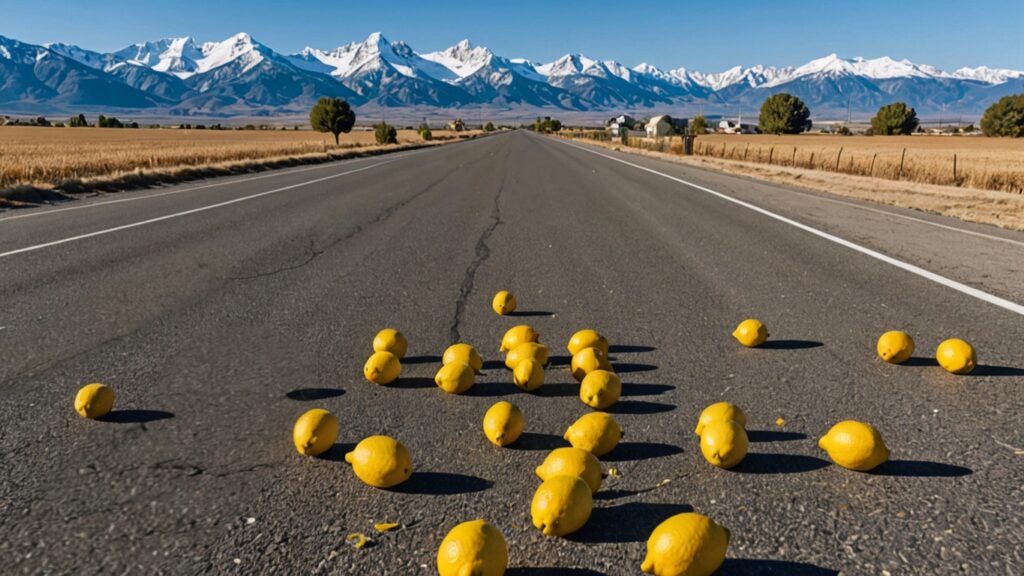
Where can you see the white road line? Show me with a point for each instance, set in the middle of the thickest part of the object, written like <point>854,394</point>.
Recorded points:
<point>192,211</point>
<point>937,278</point>
<point>194,188</point>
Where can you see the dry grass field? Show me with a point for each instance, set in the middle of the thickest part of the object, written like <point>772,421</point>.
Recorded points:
<point>982,163</point>
<point>51,157</point>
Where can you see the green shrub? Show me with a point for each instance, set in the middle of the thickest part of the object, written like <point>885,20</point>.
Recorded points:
<point>1005,117</point>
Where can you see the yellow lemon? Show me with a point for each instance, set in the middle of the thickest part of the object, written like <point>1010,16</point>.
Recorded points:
<point>528,375</point>
<point>561,505</point>
<point>531,350</point>
<point>855,445</point>
<point>380,461</point>
<point>473,548</point>
<point>391,340</point>
<point>455,378</point>
<point>724,443</point>
<point>463,353</point>
<point>94,401</point>
<point>956,356</point>
<point>315,432</point>
<point>517,335</point>
<point>720,411</point>
<point>895,347</point>
<point>504,303</point>
<point>597,433</point>
<point>503,423</point>
<point>382,368</point>
<point>587,339</point>
<point>587,360</point>
<point>751,333</point>
<point>572,462</point>
<point>688,544</point>
<point>600,389</point>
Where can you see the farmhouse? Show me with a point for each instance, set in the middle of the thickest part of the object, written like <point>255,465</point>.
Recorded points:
<point>621,125</point>
<point>665,125</point>
<point>729,127</point>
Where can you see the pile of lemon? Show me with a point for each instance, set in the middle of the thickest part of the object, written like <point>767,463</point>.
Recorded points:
<point>684,544</point>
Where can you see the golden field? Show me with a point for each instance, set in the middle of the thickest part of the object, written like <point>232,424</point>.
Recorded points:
<point>49,157</point>
<point>982,163</point>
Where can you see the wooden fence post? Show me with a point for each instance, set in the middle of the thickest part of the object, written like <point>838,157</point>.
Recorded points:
<point>770,153</point>
<point>871,172</point>
<point>745,148</point>
<point>838,156</point>
<point>810,163</point>
<point>899,175</point>
<point>954,168</point>
<point>793,161</point>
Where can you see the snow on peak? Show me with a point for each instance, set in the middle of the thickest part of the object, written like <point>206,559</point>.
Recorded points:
<point>463,59</point>
<point>239,48</point>
<point>987,75</point>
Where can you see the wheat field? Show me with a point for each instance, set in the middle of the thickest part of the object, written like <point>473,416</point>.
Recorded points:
<point>983,163</point>
<point>47,157</point>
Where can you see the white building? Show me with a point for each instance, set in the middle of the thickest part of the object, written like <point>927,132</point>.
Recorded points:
<point>665,125</point>
<point>729,127</point>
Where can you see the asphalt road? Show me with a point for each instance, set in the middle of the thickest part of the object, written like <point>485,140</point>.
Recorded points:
<point>220,311</point>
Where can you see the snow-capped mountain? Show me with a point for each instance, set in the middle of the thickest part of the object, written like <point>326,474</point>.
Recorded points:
<point>240,75</point>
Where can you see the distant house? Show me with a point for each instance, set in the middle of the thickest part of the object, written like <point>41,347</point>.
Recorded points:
<point>456,125</point>
<point>729,127</point>
<point>621,125</point>
<point>665,125</point>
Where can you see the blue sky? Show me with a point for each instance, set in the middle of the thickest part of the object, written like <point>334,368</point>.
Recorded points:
<point>707,36</point>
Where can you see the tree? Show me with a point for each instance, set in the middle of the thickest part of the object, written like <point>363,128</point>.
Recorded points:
<point>424,132</point>
<point>784,114</point>
<point>332,115</point>
<point>699,124</point>
<point>42,121</point>
<point>896,118</point>
<point>385,133</point>
<point>78,121</point>
<point>1005,117</point>
<point>489,127</point>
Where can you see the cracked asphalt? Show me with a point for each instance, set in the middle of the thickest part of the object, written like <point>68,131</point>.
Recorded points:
<point>218,327</point>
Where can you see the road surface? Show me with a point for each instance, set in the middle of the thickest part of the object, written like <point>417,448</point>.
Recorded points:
<point>221,310</point>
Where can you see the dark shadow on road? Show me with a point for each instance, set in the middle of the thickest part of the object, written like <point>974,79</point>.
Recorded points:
<point>920,361</point>
<point>421,360</point>
<point>757,463</point>
<point>490,389</point>
<point>616,494</point>
<point>645,389</point>
<point>626,367</point>
<point>552,572</point>
<point>307,394</point>
<point>528,313</point>
<point>538,441</point>
<point>494,365</point>
<point>790,344</point>
<point>132,416</point>
<point>627,349</point>
<point>753,567</point>
<point>627,451</point>
<point>441,484</point>
<point>632,522</point>
<point>559,390</point>
<point>640,407</point>
<point>412,382</point>
<point>773,436</point>
<point>920,469</point>
<point>986,370</point>
<point>337,452</point>
<point>559,360</point>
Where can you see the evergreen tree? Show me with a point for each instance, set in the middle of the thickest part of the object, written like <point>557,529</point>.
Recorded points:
<point>1005,117</point>
<point>332,115</point>
<point>784,114</point>
<point>896,118</point>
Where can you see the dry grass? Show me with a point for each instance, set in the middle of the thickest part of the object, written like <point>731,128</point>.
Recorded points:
<point>976,205</point>
<point>46,158</point>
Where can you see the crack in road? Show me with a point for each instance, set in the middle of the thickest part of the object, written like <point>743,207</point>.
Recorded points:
<point>313,254</point>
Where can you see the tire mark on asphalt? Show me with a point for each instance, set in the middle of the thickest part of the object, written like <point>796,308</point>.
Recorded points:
<point>482,252</point>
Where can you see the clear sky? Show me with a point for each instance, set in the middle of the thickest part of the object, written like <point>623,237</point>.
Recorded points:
<point>708,36</point>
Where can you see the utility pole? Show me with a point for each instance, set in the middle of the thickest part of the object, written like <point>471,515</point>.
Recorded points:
<point>849,109</point>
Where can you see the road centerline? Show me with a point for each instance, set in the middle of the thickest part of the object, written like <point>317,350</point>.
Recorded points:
<point>906,266</point>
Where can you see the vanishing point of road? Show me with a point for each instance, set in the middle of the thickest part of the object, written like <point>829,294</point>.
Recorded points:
<point>221,310</point>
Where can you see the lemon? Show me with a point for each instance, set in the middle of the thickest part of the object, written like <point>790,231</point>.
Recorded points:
<point>504,303</point>
<point>600,389</point>
<point>720,411</point>
<point>572,462</point>
<point>561,505</point>
<point>315,432</point>
<point>503,423</point>
<point>517,335</point>
<point>597,433</point>
<point>587,339</point>
<point>94,401</point>
<point>391,340</point>
<point>382,368</point>
<point>528,375</point>
<point>854,445</point>
<point>531,350</point>
<point>751,333</point>
<point>455,378</point>
<point>688,544</point>
<point>895,347</point>
<point>463,353</point>
<point>587,360</point>
<point>956,356</point>
<point>724,443</point>
<point>473,548</point>
<point>380,461</point>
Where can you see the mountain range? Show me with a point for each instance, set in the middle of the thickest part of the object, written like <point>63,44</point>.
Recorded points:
<point>241,76</point>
